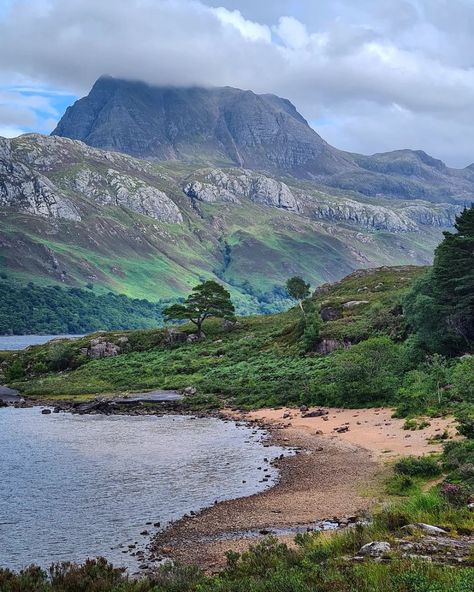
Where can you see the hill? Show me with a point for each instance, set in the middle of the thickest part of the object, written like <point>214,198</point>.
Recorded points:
<point>55,310</point>
<point>360,356</point>
<point>71,215</point>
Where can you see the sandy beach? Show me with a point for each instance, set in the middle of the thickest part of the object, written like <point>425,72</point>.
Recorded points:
<point>337,474</point>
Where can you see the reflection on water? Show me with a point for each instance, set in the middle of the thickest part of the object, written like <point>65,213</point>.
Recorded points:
<point>75,486</point>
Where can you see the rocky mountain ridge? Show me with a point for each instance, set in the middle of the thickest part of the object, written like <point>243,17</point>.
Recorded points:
<point>76,215</point>
<point>228,127</point>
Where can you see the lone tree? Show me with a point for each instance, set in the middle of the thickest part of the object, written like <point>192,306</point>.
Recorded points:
<point>209,299</point>
<point>298,289</point>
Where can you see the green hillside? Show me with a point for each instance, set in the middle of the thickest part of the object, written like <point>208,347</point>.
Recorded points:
<point>73,215</point>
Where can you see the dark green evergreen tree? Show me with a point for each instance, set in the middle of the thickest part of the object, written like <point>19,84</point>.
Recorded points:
<point>209,299</point>
<point>441,305</point>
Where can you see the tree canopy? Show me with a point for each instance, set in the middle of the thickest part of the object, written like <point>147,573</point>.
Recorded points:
<point>441,305</point>
<point>208,299</point>
<point>298,289</point>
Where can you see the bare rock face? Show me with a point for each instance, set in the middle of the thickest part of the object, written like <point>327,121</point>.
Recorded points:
<point>25,186</point>
<point>330,313</point>
<point>220,186</point>
<point>247,130</point>
<point>119,189</point>
<point>25,190</point>
<point>174,336</point>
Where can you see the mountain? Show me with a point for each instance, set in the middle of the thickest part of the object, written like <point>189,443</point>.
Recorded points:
<point>231,127</point>
<point>73,215</point>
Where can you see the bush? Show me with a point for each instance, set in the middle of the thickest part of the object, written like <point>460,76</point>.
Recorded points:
<point>311,332</point>
<point>422,466</point>
<point>368,373</point>
<point>465,418</point>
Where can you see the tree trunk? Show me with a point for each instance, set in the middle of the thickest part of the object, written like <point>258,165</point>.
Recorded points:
<point>199,327</point>
<point>300,302</point>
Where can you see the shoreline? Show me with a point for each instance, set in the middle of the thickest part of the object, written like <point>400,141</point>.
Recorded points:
<point>332,480</point>
<point>317,487</point>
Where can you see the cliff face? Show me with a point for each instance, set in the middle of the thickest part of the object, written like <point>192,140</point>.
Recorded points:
<point>231,127</point>
<point>225,125</point>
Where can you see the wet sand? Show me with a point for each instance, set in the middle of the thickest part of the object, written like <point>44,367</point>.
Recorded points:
<point>334,475</point>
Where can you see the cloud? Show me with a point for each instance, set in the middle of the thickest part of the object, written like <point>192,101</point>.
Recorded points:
<point>370,75</point>
<point>26,109</point>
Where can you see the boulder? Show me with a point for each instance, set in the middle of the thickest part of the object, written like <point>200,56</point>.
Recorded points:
<point>330,313</point>
<point>174,336</point>
<point>426,528</point>
<point>375,549</point>
<point>99,348</point>
<point>354,303</point>
<point>316,413</point>
<point>230,324</point>
<point>189,391</point>
<point>192,338</point>
<point>327,346</point>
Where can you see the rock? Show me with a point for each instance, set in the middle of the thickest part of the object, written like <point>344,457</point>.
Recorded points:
<point>354,303</point>
<point>189,391</point>
<point>193,337</point>
<point>174,336</point>
<point>327,346</point>
<point>230,324</point>
<point>316,413</point>
<point>303,408</point>
<point>220,186</point>
<point>427,528</point>
<point>100,348</point>
<point>330,313</point>
<point>375,549</point>
<point>45,411</point>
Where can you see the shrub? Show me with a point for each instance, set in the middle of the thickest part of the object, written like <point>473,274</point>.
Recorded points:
<point>465,418</point>
<point>422,466</point>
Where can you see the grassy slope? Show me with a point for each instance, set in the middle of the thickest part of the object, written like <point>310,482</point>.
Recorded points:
<point>260,362</point>
<point>127,253</point>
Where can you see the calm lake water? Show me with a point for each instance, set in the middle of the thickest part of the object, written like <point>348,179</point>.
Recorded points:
<point>78,486</point>
<point>17,342</point>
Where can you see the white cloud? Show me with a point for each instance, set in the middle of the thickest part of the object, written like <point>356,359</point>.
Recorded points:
<point>11,132</point>
<point>360,67</point>
<point>248,29</point>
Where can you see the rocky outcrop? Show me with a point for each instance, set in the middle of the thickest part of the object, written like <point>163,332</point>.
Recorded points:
<point>25,186</point>
<point>101,348</point>
<point>174,336</point>
<point>25,190</point>
<point>220,186</point>
<point>119,189</point>
<point>232,186</point>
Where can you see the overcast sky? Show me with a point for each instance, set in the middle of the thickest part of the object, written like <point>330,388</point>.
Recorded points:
<point>369,75</point>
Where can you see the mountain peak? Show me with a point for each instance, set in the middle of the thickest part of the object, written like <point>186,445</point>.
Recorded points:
<point>221,125</point>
